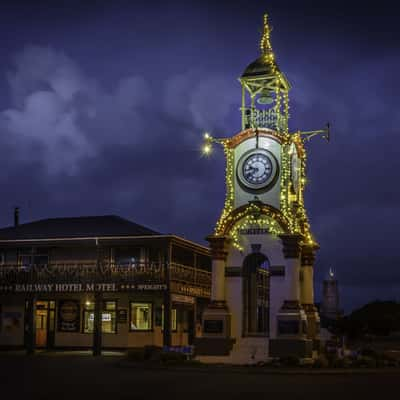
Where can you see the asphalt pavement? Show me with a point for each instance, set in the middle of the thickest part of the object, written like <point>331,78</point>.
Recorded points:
<point>81,376</point>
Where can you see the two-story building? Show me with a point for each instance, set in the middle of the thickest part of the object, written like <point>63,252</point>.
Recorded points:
<point>99,282</point>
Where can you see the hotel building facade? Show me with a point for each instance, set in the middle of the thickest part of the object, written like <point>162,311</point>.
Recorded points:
<point>99,282</point>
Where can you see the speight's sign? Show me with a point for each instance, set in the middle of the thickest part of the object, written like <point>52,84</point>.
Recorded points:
<point>188,290</point>
<point>79,287</point>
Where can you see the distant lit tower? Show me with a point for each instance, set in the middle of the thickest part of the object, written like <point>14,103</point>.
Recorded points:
<point>330,298</point>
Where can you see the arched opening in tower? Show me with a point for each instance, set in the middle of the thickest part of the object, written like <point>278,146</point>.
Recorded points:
<point>256,285</point>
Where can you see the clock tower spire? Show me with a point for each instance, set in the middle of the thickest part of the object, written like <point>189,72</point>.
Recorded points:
<point>265,43</point>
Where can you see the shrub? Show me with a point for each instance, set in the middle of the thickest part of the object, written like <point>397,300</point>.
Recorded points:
<point>152,353</point>
<point>341,362</point>
<point>172,357</point>
<point>365,362</point>
<point>321,362</point>
<point>390,359</point>
<point>290,361</point>
<point>275,362</point>
<point>136,355</point>
<point>368,352</point>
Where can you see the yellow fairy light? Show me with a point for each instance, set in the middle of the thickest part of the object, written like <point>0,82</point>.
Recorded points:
<point>207,149</point>
<point>291,217</point>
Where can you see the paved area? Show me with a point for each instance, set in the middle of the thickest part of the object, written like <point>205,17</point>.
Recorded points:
<point>80,376</point>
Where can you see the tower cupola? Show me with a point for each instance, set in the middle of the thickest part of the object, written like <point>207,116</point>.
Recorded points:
<point>265,101</point>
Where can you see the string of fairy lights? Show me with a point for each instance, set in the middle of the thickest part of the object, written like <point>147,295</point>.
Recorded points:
<point>292,208</point>
<point>291,218</point>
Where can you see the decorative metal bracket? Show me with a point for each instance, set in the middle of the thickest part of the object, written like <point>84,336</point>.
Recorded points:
<point>325,133</point>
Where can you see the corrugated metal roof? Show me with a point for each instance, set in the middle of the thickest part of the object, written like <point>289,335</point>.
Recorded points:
<point>76,227</point>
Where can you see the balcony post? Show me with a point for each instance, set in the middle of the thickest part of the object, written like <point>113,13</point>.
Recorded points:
<point>97,334</point>
<point>30,324</point>
<point>98,308</point>
<point>167,298</point>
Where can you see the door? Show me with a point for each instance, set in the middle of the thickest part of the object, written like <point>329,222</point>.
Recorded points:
<point>41,327</point>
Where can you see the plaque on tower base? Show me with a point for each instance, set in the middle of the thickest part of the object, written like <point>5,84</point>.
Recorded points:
<point>216,321</point>
<point>216,332</point>
<point>291,337</point>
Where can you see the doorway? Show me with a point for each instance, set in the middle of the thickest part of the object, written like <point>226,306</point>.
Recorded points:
<point>44,317</point>
<point>255,292</point>
<point>41,327</point>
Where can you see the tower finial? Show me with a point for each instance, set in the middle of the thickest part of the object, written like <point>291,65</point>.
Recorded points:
<point>265,44</point>
<point>331,273</point>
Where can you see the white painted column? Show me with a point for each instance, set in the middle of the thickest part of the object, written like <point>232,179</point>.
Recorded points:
<point>307,292</point>
<point>307,285</point>
<point>218,245</point>
<point>291,251</point>
<point>307,268</point>
<point>292,276</point>
<point>218,280</point>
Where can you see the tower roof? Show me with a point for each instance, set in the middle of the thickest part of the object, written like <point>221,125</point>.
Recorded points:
<point>265,65</point>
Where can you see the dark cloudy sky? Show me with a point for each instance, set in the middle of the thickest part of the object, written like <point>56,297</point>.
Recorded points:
<point>103,104</point>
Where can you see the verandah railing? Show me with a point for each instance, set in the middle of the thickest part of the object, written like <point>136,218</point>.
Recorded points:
<point>83,272</point>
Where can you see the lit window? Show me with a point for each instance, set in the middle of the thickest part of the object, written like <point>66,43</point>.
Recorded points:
<point>108,317</point>
<point>173,318</point>
<point>141,316</point>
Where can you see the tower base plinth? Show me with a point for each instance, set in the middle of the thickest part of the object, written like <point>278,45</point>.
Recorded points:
<point>291,340</point>
<point>281,348</point>
<point>216,337</point>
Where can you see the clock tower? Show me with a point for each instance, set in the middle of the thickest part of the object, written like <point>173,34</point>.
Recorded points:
<point>262,247</point>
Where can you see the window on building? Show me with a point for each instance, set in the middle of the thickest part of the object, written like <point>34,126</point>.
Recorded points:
<point>29,257</point>
<point>141,316</point>
<point>127,257</point>
<point>108,317</point>
<point>173,318</point>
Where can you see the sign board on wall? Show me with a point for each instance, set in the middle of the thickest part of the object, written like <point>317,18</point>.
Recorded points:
<point>213,326</point>
<point>11,321</point>
<point>68,315</point>
<point>189,290</point>
<point>122,316</point>
<point>180,298</point>
<point>79,287</point>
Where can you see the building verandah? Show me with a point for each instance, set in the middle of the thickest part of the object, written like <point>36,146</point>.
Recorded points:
<point>102,292</point>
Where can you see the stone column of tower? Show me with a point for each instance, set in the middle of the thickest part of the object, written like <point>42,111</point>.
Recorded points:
<point>292,250</point>
<point>292,321</point>
<point>216,319</point>
<point>218,245</point>
<point>307,294</point>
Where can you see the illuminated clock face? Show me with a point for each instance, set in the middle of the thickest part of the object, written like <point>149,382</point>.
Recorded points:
<point>257,169</point>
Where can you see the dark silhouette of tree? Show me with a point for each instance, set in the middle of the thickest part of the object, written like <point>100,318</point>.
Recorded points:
<point>379,318</point>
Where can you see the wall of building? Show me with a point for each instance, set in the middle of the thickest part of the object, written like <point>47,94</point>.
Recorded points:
<point>12,316</point>
<point>69,255</point>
